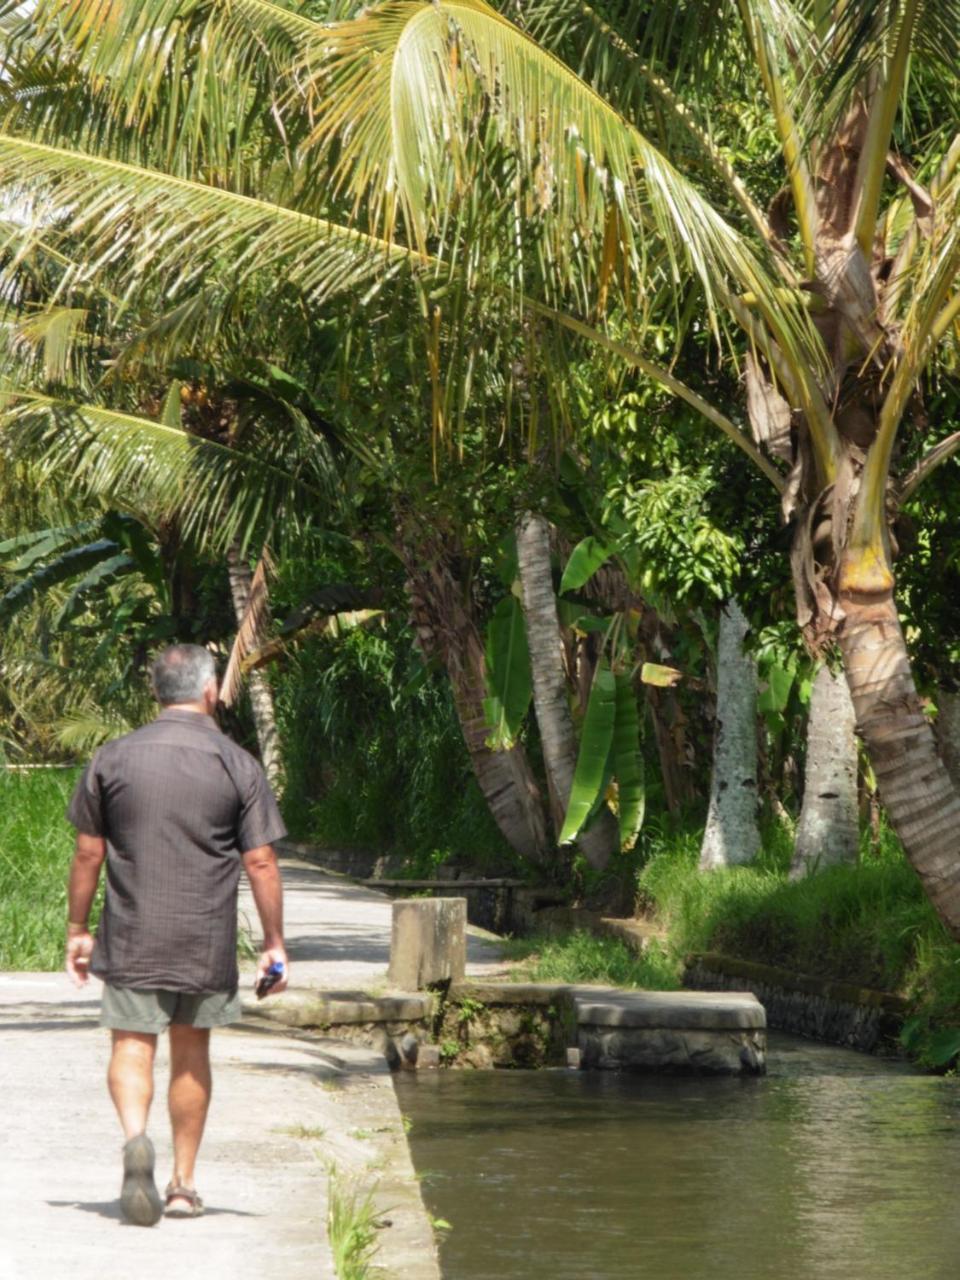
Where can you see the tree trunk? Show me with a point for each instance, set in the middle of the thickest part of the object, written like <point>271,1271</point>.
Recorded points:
<point>923,804</point>
<point>947,728</point>
<point>261,696</point>
<point>829,828</point>
<point>731,835</point>
<point>557,735</point>
<point>673,747</point>
<point>444,627</point>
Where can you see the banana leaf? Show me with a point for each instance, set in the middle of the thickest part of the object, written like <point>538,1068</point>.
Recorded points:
<point>55,537</point>
<point>509,680</point>
<point>100,575</point>
<point>67,566</point>
<point>628,762</point>
<point>656,674</point>
<point>585,559</point>
<point>595,743</point>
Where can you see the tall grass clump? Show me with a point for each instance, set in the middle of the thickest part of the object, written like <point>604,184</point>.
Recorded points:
<point>351,1229</point>
<point>36,846</point>
<point>583,957</point>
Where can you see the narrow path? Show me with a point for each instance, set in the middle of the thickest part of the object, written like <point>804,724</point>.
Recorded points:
<point>338,932</point>
<point>286,1107</point>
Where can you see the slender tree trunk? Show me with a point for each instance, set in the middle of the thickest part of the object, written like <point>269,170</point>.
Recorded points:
<point>445,627</point>
<point>915,787</point>
<point>557,735</point>
<point>673,747</point>
<point>731,835</point>
<point>829,828</point>
<point>261,696</point>
<point>947,727</point>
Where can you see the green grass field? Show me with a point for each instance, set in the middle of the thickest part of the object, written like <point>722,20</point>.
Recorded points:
<point>36,845</point>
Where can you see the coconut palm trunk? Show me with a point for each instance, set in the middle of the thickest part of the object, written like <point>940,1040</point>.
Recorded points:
<point>261,695</point>
<point>829,828</point>
<point>731,836</point>
<point>550,699</point>
<point>914,784</point>
<point>948,731</point>
<point>446,629</point>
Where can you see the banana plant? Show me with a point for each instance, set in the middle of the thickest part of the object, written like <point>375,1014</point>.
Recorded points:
<point>92,556</point>
<point>609,760</point>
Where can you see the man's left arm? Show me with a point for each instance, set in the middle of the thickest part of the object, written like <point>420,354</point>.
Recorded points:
<point>88,858</point>
<point>263,873</point>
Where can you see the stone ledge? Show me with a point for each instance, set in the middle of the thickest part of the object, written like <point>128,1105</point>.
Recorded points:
<point>675,1010</point>
<point>301,1008</point>
<point>807,984</point>
<point>510,993</point>
<point>673,1050</point>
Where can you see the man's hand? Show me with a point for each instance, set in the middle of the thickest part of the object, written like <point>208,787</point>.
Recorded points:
<point>269,956</point>
<point>79,950</point>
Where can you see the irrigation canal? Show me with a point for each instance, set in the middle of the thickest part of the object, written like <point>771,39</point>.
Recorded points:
<point>833,1165</point>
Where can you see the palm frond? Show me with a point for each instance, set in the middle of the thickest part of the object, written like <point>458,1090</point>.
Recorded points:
<point>220,494</point>
<point>400,78</point>
<point>133,222</point>
<point>182,85</point>
<point>50,337</point>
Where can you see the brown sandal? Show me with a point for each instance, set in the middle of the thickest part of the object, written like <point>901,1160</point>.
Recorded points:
<point>177,1192</point>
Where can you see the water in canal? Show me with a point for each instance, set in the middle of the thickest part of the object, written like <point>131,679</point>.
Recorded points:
<point>833,1165</point>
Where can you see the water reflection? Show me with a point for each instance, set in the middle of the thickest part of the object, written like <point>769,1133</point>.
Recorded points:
<point>835,1165</point>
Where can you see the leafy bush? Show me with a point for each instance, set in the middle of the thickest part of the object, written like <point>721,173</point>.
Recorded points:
<point>374,754</point>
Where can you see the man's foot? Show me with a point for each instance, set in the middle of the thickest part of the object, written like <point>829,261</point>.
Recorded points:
<point>139,1197</point>
<point>182,1202</point>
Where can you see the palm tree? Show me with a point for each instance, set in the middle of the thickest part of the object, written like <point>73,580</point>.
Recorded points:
<point>570,175</point>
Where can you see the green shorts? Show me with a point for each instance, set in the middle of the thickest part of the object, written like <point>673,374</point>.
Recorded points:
<point>127,1009</point>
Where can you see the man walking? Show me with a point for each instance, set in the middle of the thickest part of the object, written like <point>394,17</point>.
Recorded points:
<point>174,808</point>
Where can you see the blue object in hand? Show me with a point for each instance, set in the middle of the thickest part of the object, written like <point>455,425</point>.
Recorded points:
<point>269,979</point>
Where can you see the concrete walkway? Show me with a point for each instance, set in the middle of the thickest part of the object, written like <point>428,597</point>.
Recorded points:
<point>286,1108</point>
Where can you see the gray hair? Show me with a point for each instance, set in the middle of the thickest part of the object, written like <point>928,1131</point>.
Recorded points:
<point>181,673</point>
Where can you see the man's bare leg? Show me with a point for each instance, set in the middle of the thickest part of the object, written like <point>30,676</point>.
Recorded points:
<point>190,1089</point>
<point>130,1078</point>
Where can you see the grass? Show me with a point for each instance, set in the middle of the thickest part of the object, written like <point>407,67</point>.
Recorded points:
<point>582,957</point>
<point>869,924</point>
<point>36,845</point>
<point>308,1133</point>
<point>352,1223</point>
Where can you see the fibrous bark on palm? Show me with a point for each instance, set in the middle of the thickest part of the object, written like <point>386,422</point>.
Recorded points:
<point>731,836</point>
<point>828,831</point>
<point>446,628</point>
<point>947,728</point>
<point>557,735</point>
<point>914,784</point>
<point>261,696</point>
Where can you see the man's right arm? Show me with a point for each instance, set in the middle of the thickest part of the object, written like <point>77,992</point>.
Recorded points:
<point>263,873</point>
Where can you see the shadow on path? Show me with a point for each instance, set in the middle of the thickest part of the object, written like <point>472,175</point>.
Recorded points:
<point>111,1209</point>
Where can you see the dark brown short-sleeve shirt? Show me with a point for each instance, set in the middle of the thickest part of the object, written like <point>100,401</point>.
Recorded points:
<point>177,803</point>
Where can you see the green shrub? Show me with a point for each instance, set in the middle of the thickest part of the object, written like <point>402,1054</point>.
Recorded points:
<point>374,754</point>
